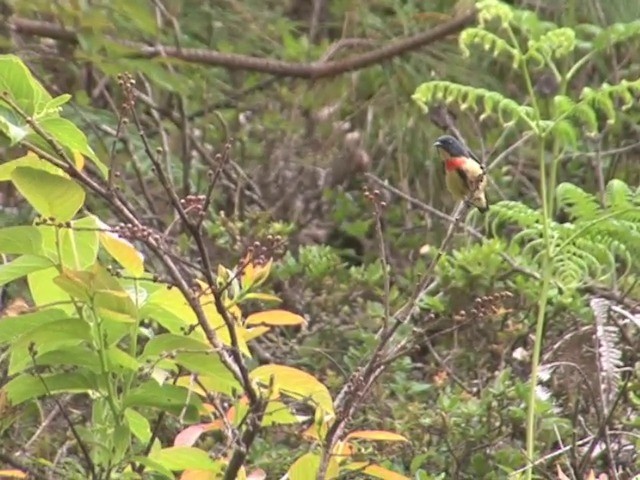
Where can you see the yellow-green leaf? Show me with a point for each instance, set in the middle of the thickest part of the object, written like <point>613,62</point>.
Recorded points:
<point>265,297</point>
<point>295,383</point>
<point>255,332</point>
<point>305,467</point>
<point>381,435</point>
<point>77,246</point>
<point>122,251</point>
<point>274,318</point>
<point>44,291</point>
<point>115,305</point>
<point>221,330</point>
<point>375,471</point>
<point>49,194</point>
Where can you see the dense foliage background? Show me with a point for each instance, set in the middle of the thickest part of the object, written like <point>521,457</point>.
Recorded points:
<point>308,126</point>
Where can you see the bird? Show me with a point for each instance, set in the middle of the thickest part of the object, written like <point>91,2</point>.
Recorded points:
<point>465,176</point>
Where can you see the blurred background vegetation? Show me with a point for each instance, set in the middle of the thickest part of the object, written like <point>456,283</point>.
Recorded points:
<point>303,148</point>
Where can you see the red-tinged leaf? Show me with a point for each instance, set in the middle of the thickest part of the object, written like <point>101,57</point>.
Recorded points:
<point>375,471</point>
<point>377,435</point>
<point>275,318</point>
<point>254,274</point>
<point>561,474</point>
<point>343,450</point>
<point>257,474</point>
<point>190,435</point>
<point>311,433</point>
<point>295,383</point>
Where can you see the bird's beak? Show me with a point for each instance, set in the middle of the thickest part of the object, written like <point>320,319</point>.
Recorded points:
<point>438,144</point>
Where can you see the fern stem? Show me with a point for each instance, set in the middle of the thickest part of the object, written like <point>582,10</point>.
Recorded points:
<point>546,269</point>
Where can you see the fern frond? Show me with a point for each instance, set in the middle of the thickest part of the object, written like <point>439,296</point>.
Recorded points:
<point>565,132</point>
<point>489,10</point>
<point>605,96</point>
<point>599,243</point>
<point>619,195</point>
<point>555,43</point>
<point>511,212</point>
<point>608,351</point>
<point>490,42</point>
<point>508,110</point>
<point>577,202</point>
<point>565,107</point>
<point>530,24</point>
<point>616,33</point>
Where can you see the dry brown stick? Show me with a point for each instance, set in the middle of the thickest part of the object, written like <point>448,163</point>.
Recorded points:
<point>312,70</point>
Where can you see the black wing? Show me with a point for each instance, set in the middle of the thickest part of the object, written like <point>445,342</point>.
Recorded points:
<point>473,156</point>
<point>465,179</point>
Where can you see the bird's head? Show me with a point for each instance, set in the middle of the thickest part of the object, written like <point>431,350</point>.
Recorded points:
<point>450,145</point>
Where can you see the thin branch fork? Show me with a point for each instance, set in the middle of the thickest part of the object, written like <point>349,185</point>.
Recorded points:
<point>311,71</point>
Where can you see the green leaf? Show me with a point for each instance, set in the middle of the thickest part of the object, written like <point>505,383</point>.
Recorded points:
<point>120,358</point>
<point>72,138</point>
<point>168,342</point>
<point>50,195</point>
<point>277,413</point>
<point>169,308</point>
<point>20,240</point>
<point>22,266</point>
<point>48,337</point>
<point>79,244</point>
<point>13,327</point>
<point>26,387</point>
<point>24,89</point>
<point>74,355</point>
<point>54,105</point>
<point>209,365</point>
<point>115,306</point>
<point>138,14</point>
<point>29,160</point>
<point>183,458</point>
<point>153,466</point>
<point>138,424</point>
<point>164,397</point>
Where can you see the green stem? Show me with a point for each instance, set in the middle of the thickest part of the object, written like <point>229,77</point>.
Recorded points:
<point>576,67</point>
<point>133,333</point>
<point>540,321</point>
<point>98,337</point>
<point>546,270</point>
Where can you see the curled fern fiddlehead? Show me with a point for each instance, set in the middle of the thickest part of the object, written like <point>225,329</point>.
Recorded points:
<point>507,109</point>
